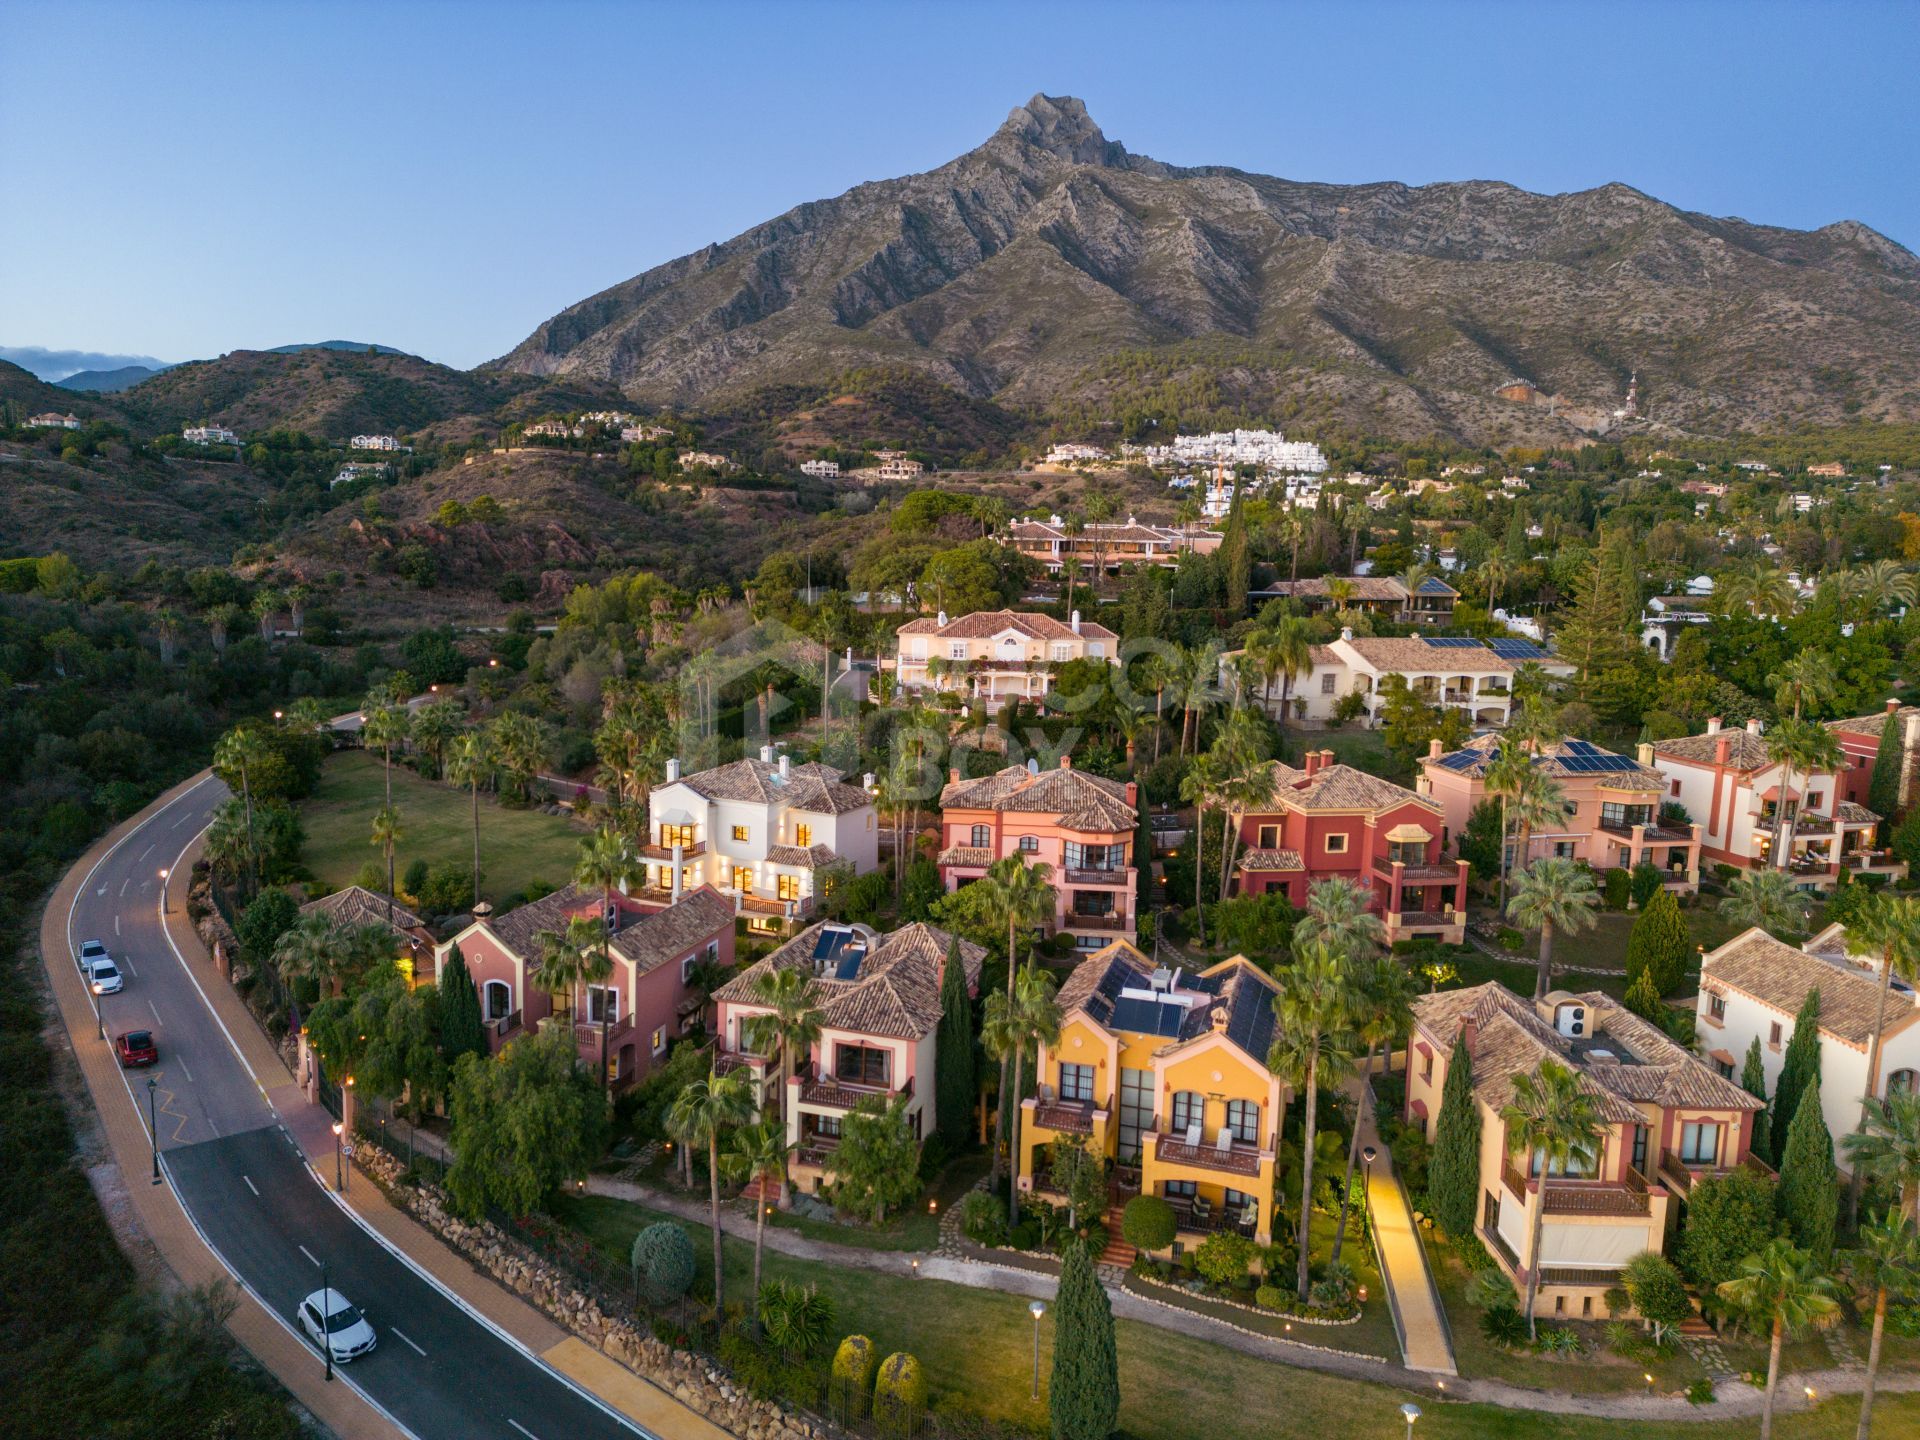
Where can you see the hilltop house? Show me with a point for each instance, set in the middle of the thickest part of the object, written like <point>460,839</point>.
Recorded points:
<point>1668,1119</point>
<point>209,435</point>
<point>54,420</point>
<point>1666,617</point>
<point>821,469</point>
<point>1729,778</point>
<point>1430,602</point>
<point>1165,1073</point>
<point>1752,988</point>
<point>762,831</point>
<point>646,1002</point>
<point>1080,825</point>
<point>1612,806</point>
<point>1106,547</point>
<point>879,997</point>
<point>1330,821</point>
<point>374,442</point>
<point>996,655</point>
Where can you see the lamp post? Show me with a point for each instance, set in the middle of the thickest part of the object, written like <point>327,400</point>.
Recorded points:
<point>153,1126</point>
<point>326,1317</point>
<point>1036,1309</point>
<point>339,1174</point>
<point>1411,1412</point>
<point>166,901</point>
<point>99,1007</point>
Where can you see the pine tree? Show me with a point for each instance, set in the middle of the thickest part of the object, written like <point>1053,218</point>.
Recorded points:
<point>1753,1080</point>
<point>1643,997</point>
<point>1800,1069</point>
<point>1597,640</point>
<point>1658,944</point>
<point>1084,1396</point>
<point>953,1055</point>
<point>1883,790</point>
<point>1809,1190</point>
<point>1453,1176</point>
<point>461,1031</point>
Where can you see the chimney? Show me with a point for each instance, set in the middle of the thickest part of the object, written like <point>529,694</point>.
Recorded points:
<point>1326,759</point>
<point>953,775</point>
<point>1469,1032</point>
<point>786,767</point>
<point>866,781</point>
<point>766,754</point>
<point>1753,726</point>
<point>1133,794</point>
<point>1076,622</point>
<point>1713,725</point>
<point>1312,762</point>
<point>1346,632</point>
<point>482,911</point>
<point>1433,748</point>
<point>673,771</point>
<point>1722,750</point>
<point>1645,752</point>
<point>942,621</point>
<point>1066,762</point>
<point>1893,705</point>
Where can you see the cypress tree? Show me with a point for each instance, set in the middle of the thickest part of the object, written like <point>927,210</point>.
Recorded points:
<point>1236,555</point>
<point>1658,944</point>
<point>1084,1396</point>
<point>1142,863</point>
<point>953,1055</point>
<point>1753,1080</point>
<point>1800,1070</point>
<point>1883,789</point>
<point>461,1032</point>
<point>1809,1189</point>
<point>1453,1176</point>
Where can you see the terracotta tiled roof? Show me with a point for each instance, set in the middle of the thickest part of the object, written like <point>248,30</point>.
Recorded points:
<point>1374,588</point>
<point>895,992</point>
<point>1779,975</point>
<point>1552,759</point>
<point>966,855</point>
<point>816,789</point>
<point>1404,655</point>
<point>985,624</point>
<point>1745,750</point>
<point>1083,802</point>
<point>356,905</point>
<point>812,857</point>
<point>517,928</point>
<point>666,935</point>
<point>1849,813</point>
<point>1339,787</point>
<point>1871,724</point>
<point>1272,861</point>
<point>1241,989</point>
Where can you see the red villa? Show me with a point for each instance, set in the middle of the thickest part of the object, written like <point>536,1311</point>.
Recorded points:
<point>1331,821</point>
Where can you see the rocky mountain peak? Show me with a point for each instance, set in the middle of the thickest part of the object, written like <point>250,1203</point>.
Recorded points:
<point>1060,126</point>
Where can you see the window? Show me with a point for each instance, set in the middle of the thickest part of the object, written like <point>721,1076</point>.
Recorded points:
<point>1617,816</point>
<point>1063,652</point>
<point>1327,682</point>
<point>1576,1165</point>
<point>672,835</point>
<point>1407,852</point>
<point>1725,1067</point>
<point>1243,1119</point>
<point>1076,1082</point>
<point>743,879</point>
<point>1269,837</point>
<point>1813,801</point>
<point>740,833</point>
<point>1716,1005</point>
<point>861,1065</point>
<point>803,835</point>
<point>1337,844</point>
<point>1136,1111</point>
<point>1563,849</point>
<point>982,837</point>
<point>1902,1080</point>
<point>1640,1148</point>
<point>1189,1109</point>
<point>1773,1035</point>
<point>603,1003</point>
<point>1699,1143</point>
<point>1674,789</point>
<point>660,1040</point>
<point>1179,1189</point>
<point>787,887</point>
<point>1237,1202</point>
<point>499,999</point>
<point>957,650</point>
<point>1030,844</point>
<point>1426,1064</point>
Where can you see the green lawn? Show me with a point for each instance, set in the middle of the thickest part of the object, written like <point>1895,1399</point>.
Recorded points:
<point>517,847</point>
<point>978,1344</point>
<point>1605,945</point>
<point>918,1229</point>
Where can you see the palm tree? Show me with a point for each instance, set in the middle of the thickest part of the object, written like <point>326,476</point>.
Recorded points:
<point>703,1110</point>
<point>1888,1148</point>
<point>1012,1025</point>
<point>1203,786</point>
<point>227,849</point>
<point>387,834</point>
<point>1241,749</point>
<point>1797,745</point>
<point>593,939</point>
<point>1021,896</point>
<point>1804,682</point>
<point>759,1154</point>
<point>1891,926</point>
<point>519,746</point>
<point>1506,777</point>
<point>241,749</point>
<point>1553,894</point>
<point>559,970</point>
<point>793,1022</point>
<point>1537,804</point>
<point>1495,572</point>
<point>1284,650</point>
<point>1555,1124</point>
<point>220,622</point>
<point>1782,1287</point>
<point>1315,1009</point>
<point>266,603</point>
<point>1339,914</point>
<point>1761,897</point>
<point>313,949</point>
<point>1885,584</point>
<point>1159,672</point>
<point>433,728</point>
<point>469,762</point>
<point>385,725</point>
<point>1888,1258</point>
<point>167,628</point>
<point>1385,1014</point>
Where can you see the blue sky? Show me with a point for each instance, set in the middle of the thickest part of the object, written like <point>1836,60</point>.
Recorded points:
<point>188,178</point>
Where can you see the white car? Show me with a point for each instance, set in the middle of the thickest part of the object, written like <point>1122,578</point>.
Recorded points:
<point>103,978</point>
<point>90,951</point>
<point>345,1330</point>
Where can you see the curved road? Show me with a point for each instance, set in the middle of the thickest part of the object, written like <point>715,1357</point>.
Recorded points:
<point>439,1371</point>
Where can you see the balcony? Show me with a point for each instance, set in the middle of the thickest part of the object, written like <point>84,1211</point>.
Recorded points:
<point>1107,878</point>
<point>725,1062</point>
<point>1401,923</point>
<point>1212,1220</point>
<point>1679,1177</point>
<point>1650,833</point>
<point>1598,1197</point>
<point>831,1094</point>
<point>1115,923</point>
<point>816,1151</point>
<point>503,1026</point>
<point>1067,1117</point>
<point>665,852</point>
<point>586,1033</point>
<point>1421,874</point>
<point>1238,1159</point>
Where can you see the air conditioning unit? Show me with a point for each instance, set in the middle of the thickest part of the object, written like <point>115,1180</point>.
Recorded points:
<point>1571,1020</point>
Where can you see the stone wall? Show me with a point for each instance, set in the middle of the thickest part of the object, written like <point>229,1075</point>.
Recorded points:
<point>693,1380</point>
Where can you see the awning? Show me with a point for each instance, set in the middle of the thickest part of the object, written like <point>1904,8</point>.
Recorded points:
<point>1408,833</point>
<point>1725,1057</point>
<point>1418,1107</point>
<point>1772,792</point>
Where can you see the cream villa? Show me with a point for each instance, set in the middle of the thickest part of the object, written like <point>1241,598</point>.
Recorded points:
<point>995,655</point>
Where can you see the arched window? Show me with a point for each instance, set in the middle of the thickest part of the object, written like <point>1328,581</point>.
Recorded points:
<point>1243,1119</point>
<point>1189,1109</point>
<point>499,999</point>
<point>1029,843</point>
<point>1908,1080</point>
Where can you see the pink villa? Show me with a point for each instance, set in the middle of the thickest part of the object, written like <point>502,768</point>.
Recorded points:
<point>646,1003</point>
<point>1859,738</point>
<point>1080,825</point>
<point>1613,806</point>
<point>879,998</point>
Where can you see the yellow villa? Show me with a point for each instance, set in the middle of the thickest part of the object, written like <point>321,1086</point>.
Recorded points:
<point>1165,1074</point>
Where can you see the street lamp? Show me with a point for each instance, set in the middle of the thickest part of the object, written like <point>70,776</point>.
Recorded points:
<point>1036,1309</point>
<point>339,1174</point>
<point>99,1007</point>
<point>326,1316</point>
<point>1412,1413</point>
<point>165,902</point>
<point>153,1126</point>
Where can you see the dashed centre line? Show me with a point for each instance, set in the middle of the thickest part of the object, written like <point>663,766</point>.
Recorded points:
<point>251,1186</point>
<point>309,1254</point>
<point>402,1336</point>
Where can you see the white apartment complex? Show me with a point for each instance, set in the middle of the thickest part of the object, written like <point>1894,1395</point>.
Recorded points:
<point>1267,448</point>
<point>995,655</point>
<point>821,469</point>
<point>375,442</point>
<point>209,435</point>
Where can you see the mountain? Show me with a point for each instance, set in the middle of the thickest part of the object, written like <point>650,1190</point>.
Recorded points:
<point>27,394</point>
<point>358,345</point>
<point>107,381</point>
<point>58,365</point>
<point>1052,267</point>
<point>334,394</point>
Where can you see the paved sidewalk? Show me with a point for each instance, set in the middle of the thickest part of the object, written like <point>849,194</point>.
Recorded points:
<point>1425,1344</point>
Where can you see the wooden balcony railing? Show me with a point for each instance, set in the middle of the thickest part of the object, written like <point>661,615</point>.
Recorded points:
<point>1515,1182</point>
<point>1114,922</point>
<point>831,1094</point>
<point>1068,1117</point>
<point>1628,1196</point>
<point>1239,1159</point>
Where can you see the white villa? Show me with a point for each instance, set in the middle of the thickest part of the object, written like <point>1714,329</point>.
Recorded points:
<point>374,442</point>
<point>821,469</point>
<point>209,435</point>
<point>994,655</point>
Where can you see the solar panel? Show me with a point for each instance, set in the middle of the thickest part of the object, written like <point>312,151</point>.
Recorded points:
<point>1508,649</point>
<point>1453,642</point>
<point>849,965</point>
<point>1582,747</point>
<point>1147,1017</point>
<point>1460,760</point>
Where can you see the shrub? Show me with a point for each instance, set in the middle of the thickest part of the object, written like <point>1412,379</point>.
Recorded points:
<point>1646,882</point>
<point>850,1390</point>
<point>1655,1289</point>
<point>1659,944</point>
<point>1504,1325</point>
<point>1272,1297</point>
<point>795,1317</point>
<point>1700,1392</point>
<point>899,1396</point>
<point>1490,1290</point>
<point>1511,939</point>
<point>663,1262</point>
<point>1223,1258</point>
<point>1559,1340</point>
<point>1148,1223</point>
<point>983,1219</point>
<point>1729,1217</point>
<point>1334,1288</point>
<point>1617,889</point>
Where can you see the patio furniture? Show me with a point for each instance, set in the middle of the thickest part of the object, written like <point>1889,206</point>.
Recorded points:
<point>1200,1210</point>
<point>1224,1145</point>
<point>1193,1134</point>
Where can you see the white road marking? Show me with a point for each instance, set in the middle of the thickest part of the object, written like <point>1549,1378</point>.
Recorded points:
<point>156,1013</point>
<point>127,960</point>
<point>522,1429</point>
<point>213,1127</point>
<point>146,852</point>
<point>181,821</point>
<point>251,1186</point>
<point>103,889</point>
<point>186,1072</point>
<point>116,924</point>
<point>123,886</point>
<point>309,1254</point>
<point>410,1345</point>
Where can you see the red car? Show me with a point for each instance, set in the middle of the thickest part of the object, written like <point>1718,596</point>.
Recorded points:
<point>136,1047</point>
